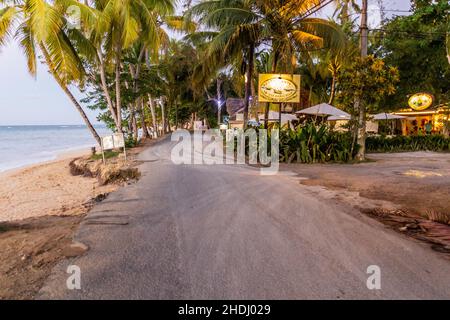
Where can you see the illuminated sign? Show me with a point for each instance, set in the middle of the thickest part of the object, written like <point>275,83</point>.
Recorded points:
<point>279,88</point>
<point>420,101</point>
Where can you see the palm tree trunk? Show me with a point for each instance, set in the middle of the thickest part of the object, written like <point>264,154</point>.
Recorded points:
<point>333,90</point>
<point>254,102</point>
<point>163,117</point>
<point>104,85</point>
<point>69,94</point>
<point>145,132</point>
<point>152,111</point>
<point>133,123</point>
<point>361,155</point>
<point>248,83</point>
<point>359,104</point>
<point>219,98</point>
<point>274,69</point>
<point>118,94</point>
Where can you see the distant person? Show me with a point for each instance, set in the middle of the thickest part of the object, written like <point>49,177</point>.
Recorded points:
<point>428,127</point>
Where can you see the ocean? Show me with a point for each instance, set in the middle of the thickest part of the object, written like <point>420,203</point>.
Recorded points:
<point>24,145</point>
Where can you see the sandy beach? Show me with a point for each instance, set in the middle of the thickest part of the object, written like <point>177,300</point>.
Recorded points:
<point>46,189</point>
<point>42,206</point>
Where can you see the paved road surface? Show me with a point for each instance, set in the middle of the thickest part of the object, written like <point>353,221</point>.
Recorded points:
<point>226,232</point>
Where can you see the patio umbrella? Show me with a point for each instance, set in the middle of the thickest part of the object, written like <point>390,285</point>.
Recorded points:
<point>336,118</point>
<point>285,117</point>
<point>387,116</point>
<point>324,110</point>
<point>377,117</point>
<point>275,116</point>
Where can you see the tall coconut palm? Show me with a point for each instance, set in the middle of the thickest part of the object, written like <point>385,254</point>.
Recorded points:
<point>284,25</point>
<point>344,10</point>
<point>40,24</point>
<point>234,35</point>
<point>114,26</point>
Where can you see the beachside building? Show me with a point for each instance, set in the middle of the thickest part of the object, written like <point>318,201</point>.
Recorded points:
<point>418,122</point>
<point>422,117</point>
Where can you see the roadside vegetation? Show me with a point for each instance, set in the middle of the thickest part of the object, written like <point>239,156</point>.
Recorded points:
<point>436,143</point>
<point>120,55</point>
<point>313,144</point>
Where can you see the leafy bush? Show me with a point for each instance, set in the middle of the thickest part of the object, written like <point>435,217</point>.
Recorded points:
<point>311,144</point>
<point>408,143</point>
<point>108,155</point>
<point>130,142</point>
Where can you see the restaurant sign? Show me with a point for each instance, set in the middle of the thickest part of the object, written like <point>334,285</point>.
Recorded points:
<point>279,88</point>
<point>420,101</point>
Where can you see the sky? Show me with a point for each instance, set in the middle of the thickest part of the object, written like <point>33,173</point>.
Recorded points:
<point>25,100</point>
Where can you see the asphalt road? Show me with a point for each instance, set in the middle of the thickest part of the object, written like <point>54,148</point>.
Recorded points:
<point>226,232</point>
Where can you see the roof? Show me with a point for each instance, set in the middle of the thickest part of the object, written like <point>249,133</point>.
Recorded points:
<point>235,105</point>
<point>324,109</point>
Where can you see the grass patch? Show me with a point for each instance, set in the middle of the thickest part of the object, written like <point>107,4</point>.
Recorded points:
<point>108,155</point>
<point>441,217</point>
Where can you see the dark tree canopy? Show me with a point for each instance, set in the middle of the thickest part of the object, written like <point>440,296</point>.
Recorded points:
<point>415,44</point>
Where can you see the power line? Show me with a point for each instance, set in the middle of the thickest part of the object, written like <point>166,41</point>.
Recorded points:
<point>416,33</point>
<point>315,9</point>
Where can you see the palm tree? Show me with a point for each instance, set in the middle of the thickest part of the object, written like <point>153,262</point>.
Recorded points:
<point>344,10</point>
<point>41,25</point>
<point>112,27</point>
<point>284,25</point>
<point>236,39</point>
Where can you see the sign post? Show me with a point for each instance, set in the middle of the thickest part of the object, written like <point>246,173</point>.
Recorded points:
<point>114,141</point>
<point>279,88</point>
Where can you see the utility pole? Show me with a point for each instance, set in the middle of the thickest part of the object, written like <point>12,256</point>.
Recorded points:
<point>364,30</point>
<point>219,99</point>
<point>359,105</point>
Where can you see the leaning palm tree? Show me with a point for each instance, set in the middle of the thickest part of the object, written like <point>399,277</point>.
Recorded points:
<point>40,25</point>
<point>113,27</point>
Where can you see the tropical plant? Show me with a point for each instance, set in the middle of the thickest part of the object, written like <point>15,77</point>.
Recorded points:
<point>240,27</point>
<point>367,80</point>
<point>416,45</point>
<point>310,144</point>
<point>111,28</point>
<point>408,143</point>
<point>42,25</point>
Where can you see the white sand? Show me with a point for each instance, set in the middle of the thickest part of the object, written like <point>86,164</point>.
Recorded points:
<point>46,189</point>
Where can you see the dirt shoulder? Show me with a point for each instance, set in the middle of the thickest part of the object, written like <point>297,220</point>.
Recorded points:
<point>407,191</point>
<point>42,206</point>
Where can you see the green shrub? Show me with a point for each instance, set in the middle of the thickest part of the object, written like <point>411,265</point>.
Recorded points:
<point>108,155</point>
<point>408,143</point>
<point>311,144</point>
<point>130,142</point>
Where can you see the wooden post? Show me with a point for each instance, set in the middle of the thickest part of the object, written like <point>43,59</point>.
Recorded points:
<point>103,152</point>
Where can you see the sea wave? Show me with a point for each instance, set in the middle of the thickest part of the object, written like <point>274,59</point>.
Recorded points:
<point>27,145</point>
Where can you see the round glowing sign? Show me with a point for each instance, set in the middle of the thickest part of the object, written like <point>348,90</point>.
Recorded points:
<point>420,101</point>
<point>278,89</point>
